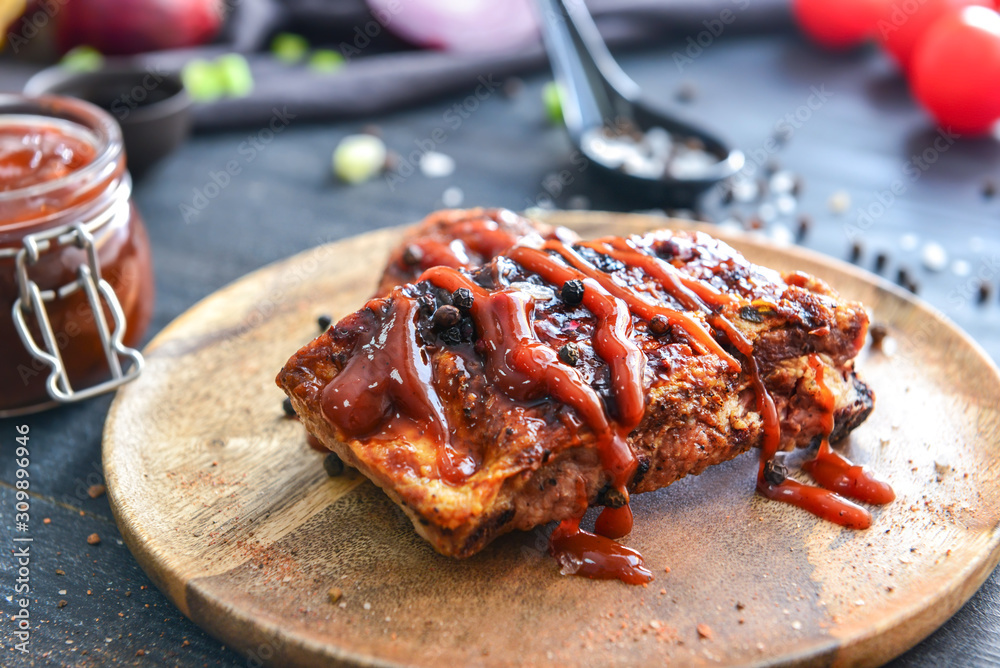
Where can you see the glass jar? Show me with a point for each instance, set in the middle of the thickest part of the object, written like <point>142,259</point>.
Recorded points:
<point>76,279</point>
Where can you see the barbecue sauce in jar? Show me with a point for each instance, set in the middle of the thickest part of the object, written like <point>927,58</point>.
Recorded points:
<point>525,369</point>
<point>37,153</point>
<point>62,163</point>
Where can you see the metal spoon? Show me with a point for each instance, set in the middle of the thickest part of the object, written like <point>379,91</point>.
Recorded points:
<point>653,158</point>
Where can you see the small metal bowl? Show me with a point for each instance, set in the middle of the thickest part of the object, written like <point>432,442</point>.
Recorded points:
<point>152,108</point>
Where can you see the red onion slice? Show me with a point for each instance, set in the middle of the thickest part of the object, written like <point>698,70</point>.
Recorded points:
<point>464,26</point>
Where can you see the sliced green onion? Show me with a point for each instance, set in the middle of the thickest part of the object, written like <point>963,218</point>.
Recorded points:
<point>326,60</point>
<point>552,97</point>
<point>289,47</point>
<point>234,70</point>
<point>83,59</point>
<point>203,81</point>
<point>358,158</point>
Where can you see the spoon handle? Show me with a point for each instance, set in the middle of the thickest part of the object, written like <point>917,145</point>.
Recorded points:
<point>595,91</point>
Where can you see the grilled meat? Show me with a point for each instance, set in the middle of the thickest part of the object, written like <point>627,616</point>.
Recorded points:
<point>522,385</point>
<point>464,238</point>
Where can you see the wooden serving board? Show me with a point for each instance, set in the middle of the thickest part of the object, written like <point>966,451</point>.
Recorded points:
<point>232,515</point>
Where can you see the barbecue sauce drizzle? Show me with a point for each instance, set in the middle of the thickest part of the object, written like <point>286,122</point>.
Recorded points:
<point>836,475</point>
<point>832,470</point>
<point>388,388</point>
<point>482,236</point>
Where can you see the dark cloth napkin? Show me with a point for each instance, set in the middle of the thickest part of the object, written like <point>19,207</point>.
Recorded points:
<point>389,74</point>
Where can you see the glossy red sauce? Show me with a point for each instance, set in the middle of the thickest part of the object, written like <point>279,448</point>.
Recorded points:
<point>435,252</point>
<point>820,502</point>
<point>837,476</point>
<point>582,553</point>
<point>525,369</point>
<point>386,389</point>
<point>37,153</point>
<point>613,336</point>
<point>614,522</point>
<point>835,472</point>
<point>481,236</point>
<point>640,306</point>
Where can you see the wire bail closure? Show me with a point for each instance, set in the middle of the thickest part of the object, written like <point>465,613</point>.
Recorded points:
<point>31,303</point>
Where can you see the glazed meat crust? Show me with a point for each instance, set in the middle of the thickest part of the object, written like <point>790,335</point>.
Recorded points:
<point>466,238</point>
<point>535,461</point>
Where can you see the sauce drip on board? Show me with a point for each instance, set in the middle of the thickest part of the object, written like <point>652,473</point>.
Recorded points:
<point>37,153</point>
<point>594,556</point>
<point>386,388</point>
<point>832,470</point>
<point>837,476</point>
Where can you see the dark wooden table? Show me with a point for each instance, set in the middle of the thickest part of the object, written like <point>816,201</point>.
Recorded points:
<point>855,142</point>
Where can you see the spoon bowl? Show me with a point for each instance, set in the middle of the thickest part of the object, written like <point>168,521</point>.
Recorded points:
<point>652,158</point>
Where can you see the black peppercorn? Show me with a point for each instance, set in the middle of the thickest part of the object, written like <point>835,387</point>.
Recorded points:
<point>750,314</point>
<point>484,279</point>
<point>569,354</point>
<point>984,292</point>
<point>413,255</point>
<point>467,329</point>
<point>572,292</point>
<point>659,325</point>
<point>878,333</point>
<point>856,251</point>
<point>805,222</point>
<point>686,92</point>
<point>446,316</point>
<point>324,322</point>
<point>610,497</point>
<point>451,336</point>
<point>903,277</point>
<point>462,298</point>
<point>286,405</point>
<point>775,472</point>
<point>443,296</point>
<point>333,465</point>
<point>426,304</point>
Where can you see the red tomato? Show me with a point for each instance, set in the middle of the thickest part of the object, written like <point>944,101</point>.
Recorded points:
<point>837,24</point>
<point>955,70</point>
<point>901,23</point>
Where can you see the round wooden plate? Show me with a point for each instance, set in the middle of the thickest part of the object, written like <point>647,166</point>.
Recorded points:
<point>232,515</point>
